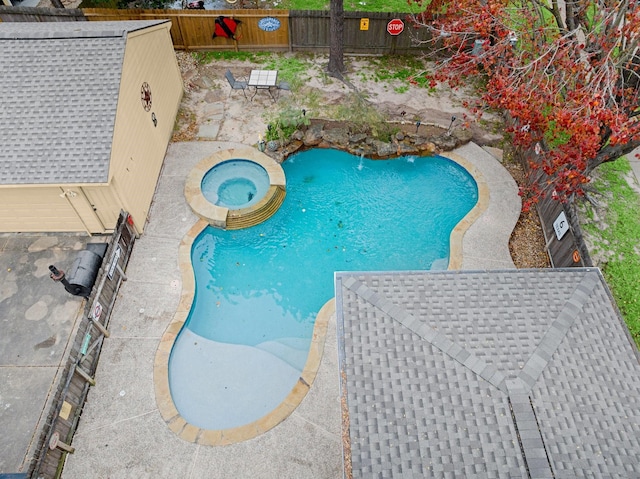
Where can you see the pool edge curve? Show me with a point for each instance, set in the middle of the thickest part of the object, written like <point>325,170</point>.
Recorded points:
<point>174,420</point>
<point>188,432</point>
<point>457,234</point>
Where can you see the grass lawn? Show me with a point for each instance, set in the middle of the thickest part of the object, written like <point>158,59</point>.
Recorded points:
<point>614,235</point>
<point>400,6</point>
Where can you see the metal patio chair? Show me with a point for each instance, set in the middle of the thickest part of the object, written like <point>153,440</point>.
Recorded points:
<point>236,84</point>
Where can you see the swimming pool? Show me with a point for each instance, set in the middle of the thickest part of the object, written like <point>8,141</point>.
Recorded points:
<point>258,291</point>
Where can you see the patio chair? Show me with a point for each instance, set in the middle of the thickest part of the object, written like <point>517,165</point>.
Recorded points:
<point>236,84</point>
<point>283,85</point>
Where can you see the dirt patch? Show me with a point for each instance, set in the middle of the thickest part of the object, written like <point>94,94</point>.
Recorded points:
<point>527,244</point>
<point>319,95</point>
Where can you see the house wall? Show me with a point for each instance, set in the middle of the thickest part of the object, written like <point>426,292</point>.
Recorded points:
<point>39,209</point>
<point>140,145</point>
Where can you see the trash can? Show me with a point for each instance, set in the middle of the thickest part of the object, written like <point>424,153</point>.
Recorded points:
<point>83,272</point>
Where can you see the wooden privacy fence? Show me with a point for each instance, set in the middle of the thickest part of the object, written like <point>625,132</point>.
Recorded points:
<point>259,30</point>
<point>364,32</point>
<point>62,419</point>
<point>193,29</point>
<point>297,30</point>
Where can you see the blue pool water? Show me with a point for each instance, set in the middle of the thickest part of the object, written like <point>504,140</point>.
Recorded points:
<point>258,290</point>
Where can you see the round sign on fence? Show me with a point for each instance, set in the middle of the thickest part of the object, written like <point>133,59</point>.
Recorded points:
<point>54,440</point>
<point>538,149</point>
<point>97,311</point>
<point>269,24</point>
<point>395,26</point>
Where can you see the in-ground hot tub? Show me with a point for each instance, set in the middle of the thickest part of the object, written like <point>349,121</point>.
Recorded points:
<point>235,184</point>
<point>235,188</point>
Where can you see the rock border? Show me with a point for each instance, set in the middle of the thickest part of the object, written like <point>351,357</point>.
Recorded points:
<point>325,134</point>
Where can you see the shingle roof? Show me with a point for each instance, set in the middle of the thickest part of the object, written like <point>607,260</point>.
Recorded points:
<point>61,82</point>
<point>488,374</point>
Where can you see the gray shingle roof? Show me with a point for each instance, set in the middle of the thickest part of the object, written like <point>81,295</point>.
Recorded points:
<point>488,374</point>
<point>61,82</point>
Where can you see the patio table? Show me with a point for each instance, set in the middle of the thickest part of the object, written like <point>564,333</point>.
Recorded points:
<point>264,80</point>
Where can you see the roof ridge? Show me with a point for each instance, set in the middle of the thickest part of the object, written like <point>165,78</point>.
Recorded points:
<point>73,30</point>
<point>530,440</point>
<point>62,34</point>
<point>434,337</point>
<point>534,366</point>
<point>556,333</point>
<point>532,446</point>
<point>551,413</point>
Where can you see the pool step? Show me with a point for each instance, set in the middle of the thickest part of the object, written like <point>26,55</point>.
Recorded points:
<point>256,214</point>
<point>293,351</point>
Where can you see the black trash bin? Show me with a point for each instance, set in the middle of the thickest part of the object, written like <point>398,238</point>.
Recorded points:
<point>82,275</point>
<point>83,272</point>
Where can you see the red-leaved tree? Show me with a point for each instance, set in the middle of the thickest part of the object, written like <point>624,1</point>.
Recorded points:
<point>566,72</point>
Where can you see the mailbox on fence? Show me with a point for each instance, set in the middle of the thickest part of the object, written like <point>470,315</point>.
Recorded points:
<point>82,274</point>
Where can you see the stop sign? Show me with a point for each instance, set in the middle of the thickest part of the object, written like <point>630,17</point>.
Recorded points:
<point>395,26</point>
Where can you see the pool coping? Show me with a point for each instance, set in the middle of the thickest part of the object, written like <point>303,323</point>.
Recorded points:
<point>484,196</point>
<point>191,433</point>
<point>217,215</point>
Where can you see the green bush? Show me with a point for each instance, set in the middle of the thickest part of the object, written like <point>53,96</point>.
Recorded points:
<point>285,123</point>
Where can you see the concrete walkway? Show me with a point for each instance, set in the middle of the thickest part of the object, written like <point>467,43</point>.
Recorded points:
<point>122,434</point>
<point>38,320</point>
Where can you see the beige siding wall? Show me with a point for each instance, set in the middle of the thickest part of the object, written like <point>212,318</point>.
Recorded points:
<point>37,210</point>
<point>105,203</point>
<point>139,145</point>
<point>80,203</point>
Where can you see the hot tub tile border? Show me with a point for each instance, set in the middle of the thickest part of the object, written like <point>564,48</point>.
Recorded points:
<point>217,215</point>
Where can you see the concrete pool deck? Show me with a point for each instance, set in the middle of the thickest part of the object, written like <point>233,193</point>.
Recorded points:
<point>122,433</point>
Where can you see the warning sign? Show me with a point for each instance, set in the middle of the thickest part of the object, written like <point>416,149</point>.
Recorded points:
<point>576,256</point>
<point>97,311</point>
<point>395,27</point>
<point>114,262</point>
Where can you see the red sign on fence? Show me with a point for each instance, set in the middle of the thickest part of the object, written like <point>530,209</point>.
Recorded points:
<point>395,26</point>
